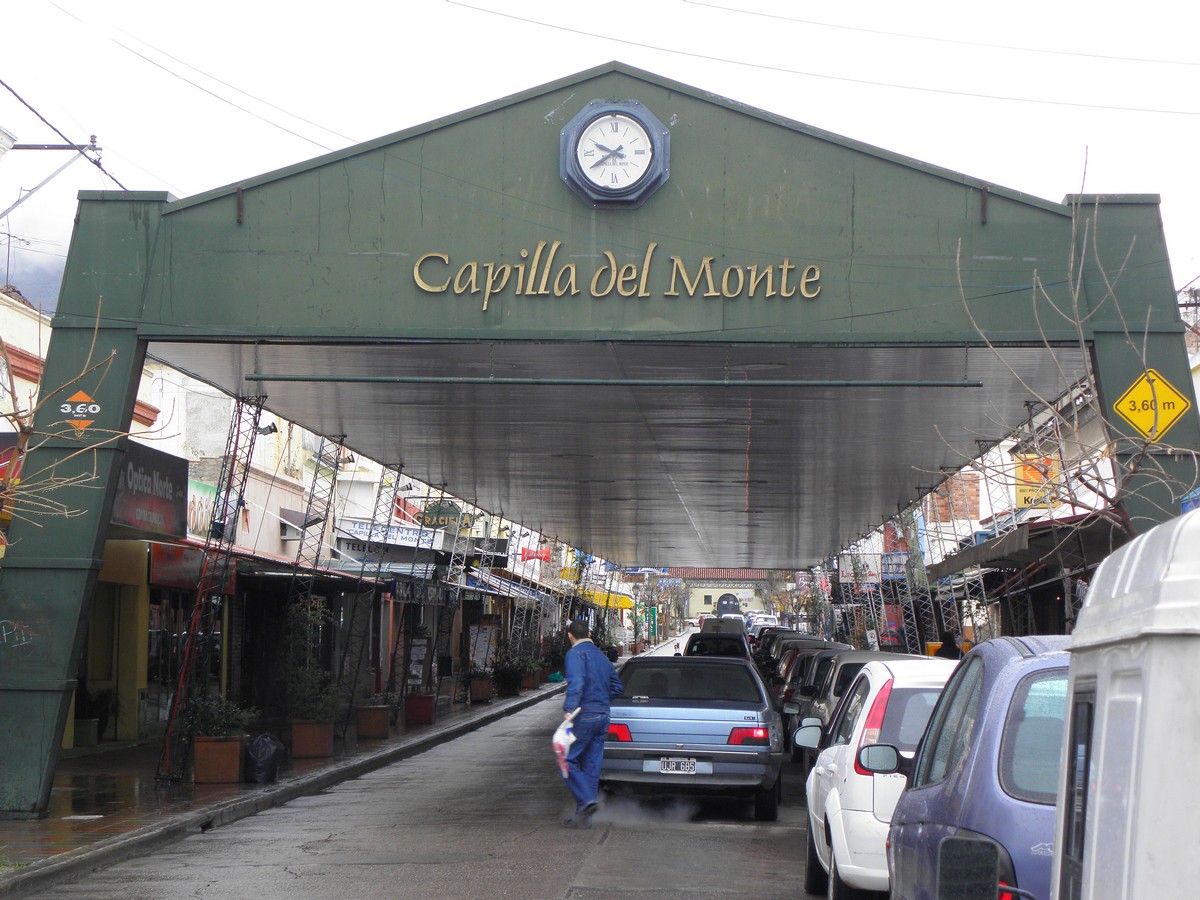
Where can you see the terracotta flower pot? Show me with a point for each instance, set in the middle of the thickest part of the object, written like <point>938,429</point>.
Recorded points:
<point>373,721</point>
<point>419,709</point>
<point>312,739</point>
<point>217,760</point>
<point>481,689</point>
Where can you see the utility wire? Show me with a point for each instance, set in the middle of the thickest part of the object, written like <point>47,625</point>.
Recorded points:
<point>940,40</point>
<point>78,149</point>
<point>841,78</point>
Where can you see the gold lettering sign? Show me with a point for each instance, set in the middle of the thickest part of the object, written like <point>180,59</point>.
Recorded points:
<point>540,274</point>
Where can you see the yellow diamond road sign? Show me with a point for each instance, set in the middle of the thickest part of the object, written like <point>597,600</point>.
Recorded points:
<point>1152,405</point>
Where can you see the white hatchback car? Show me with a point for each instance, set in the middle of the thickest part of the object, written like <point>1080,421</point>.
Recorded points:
<point>849,808</point>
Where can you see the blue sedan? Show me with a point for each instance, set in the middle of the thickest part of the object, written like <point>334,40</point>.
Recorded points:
<point>696,725</point>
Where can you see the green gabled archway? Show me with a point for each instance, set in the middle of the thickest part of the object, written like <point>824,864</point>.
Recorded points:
<point>760,360</point>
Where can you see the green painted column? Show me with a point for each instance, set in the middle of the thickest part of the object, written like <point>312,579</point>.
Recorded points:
<point>1139,356</point>
<point>48,576</point>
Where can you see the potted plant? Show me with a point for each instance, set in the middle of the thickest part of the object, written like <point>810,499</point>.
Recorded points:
<point>216,729</point>
<point>530,669</point>
<point>508,671</point>
<point>373,716</point>
<point>310,696</point>
<point>479,684</point>
<point>554,653</point>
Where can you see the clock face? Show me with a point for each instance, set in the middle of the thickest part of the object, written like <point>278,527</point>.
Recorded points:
<point>614,152</point>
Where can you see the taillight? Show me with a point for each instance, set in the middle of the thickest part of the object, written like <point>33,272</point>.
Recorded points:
<point>756,735</point>
<point>618,731</point>
<point>870,733</point>
<point>1004,895</point>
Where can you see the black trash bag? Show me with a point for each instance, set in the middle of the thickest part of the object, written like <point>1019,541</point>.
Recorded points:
<point>262,758</point>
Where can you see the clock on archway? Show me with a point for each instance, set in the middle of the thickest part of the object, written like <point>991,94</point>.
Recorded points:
<point>615,153</point>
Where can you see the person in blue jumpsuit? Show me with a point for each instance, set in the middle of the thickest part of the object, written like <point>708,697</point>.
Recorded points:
<point>592,682</point>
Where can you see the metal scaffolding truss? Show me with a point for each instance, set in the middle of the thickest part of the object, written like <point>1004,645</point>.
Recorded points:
<point>354,658</point>
<point>217,560</point>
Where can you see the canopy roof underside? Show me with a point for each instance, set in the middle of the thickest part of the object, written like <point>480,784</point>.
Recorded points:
<point>656,454</point>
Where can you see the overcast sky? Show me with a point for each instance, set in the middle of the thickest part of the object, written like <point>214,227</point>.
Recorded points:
<point>1048,97</point>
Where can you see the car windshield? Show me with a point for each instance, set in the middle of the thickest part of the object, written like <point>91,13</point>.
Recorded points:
<point>907,715</point>
<point>698,681</point>
<point>1033,736</point>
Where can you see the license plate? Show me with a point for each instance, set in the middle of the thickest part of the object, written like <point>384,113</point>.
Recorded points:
<point>675,765</point>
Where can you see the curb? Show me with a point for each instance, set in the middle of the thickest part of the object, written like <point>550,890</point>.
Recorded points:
<point>80,861</point>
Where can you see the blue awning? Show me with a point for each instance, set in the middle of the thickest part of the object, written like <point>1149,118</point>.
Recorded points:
<point>486,581</point>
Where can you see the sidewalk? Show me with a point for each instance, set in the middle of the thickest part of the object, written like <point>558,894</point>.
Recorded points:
<point>106,805</point>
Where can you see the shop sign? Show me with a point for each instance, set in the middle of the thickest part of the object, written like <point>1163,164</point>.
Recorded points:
<point>397,535</point>
<point>176,566</point>
<point>446,515</point>
<point>152,491</point>
<point>1036,477</point>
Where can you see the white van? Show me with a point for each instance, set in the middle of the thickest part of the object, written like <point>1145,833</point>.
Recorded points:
<point>1128,797</point>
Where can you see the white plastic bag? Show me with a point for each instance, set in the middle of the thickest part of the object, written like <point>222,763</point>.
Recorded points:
<point>564,737</point>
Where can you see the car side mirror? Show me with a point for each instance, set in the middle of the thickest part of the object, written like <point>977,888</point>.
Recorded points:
<point>807,736</point>
<point>880,759</point>
<point>791,708</point>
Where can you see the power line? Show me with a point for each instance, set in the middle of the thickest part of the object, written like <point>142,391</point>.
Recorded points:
<point>840,78</point>
<point>78,148</point>
<point>938,40</point>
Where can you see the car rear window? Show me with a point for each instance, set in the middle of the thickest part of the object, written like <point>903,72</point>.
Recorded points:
<point>1033,736</point>
<point>691,682</point>
<point>716,645</point>
<point>907,715</point>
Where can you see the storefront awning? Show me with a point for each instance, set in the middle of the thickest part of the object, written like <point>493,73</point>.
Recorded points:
<point>608,599</point>
<point>482,580</point>
<point>1072,543</point>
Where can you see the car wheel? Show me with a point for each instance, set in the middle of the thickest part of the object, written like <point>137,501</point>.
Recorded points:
<point>766,803</point>
<point>815,879</point>
<point>838,889</point>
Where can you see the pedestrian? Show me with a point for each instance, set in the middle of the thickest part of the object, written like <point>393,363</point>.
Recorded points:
<point>592,682</point>
<point>949,648</point>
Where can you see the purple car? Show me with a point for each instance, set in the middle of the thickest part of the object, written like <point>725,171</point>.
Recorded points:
<point>986,768</point>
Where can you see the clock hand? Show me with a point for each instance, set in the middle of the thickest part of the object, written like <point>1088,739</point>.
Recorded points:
<point>608,155</point>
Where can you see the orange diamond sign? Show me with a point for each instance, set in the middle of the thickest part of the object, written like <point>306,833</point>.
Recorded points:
<point>80,404</point>
<point>1152,405</point>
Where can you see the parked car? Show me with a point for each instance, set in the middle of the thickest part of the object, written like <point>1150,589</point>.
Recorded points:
<point>767,636</point>
<point>986,768</point>
<point>771,649</point>
<point>695,725</point>
<point>717,643</point>
<point>849,808</point>
<point>787,648</point>
<point>802,662</point>
<point>819,698</point>
<point>725,624</point>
